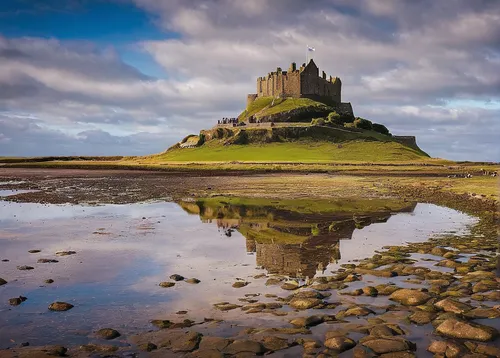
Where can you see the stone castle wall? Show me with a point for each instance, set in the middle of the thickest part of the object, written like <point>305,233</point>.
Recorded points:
<point>303,82</point>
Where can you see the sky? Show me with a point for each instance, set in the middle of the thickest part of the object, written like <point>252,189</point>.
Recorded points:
<point>133,77</point>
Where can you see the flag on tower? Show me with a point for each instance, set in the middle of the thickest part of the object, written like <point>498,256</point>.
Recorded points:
<point>310,49</point>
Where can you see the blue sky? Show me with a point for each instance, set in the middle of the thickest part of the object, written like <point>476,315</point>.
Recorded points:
<point>135,76</point>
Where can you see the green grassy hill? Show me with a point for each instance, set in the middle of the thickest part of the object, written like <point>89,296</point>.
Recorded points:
<point>298,151</point>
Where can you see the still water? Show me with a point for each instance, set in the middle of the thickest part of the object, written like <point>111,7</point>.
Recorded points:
<point>124,251</point>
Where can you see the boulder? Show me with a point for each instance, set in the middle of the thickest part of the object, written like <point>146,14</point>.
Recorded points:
<point>421,317</point>
<point>454,328</point>
<point>17,300</point>
<point>244,346</point>
<point>107,333</point>
<point>167,284</point>
<point>410,297</point>
<point>60,306</point>
<point>451,305</point>
<point>310,321</point>
<point>447,349</point>
<point>240,284</point>
<point>176,277</point>
<point>388,344</point>
<point>304,303</point>
<point>340,344</point>
<point>193,281</point>
<point>2,281</point>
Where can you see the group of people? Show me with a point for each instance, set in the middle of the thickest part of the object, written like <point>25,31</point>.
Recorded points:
<point>228,121</point>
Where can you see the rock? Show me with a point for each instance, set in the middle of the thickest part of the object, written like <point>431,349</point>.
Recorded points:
<point>226,306</point>
<point>24,268</point>
<point>60,306</point>
<point>387,344</point>
<point>451,305</point>
<point>447,349</point>
<point>386,290</point>
<point>167,284</point>
<point>17,300</point>
<point>410,297</point>
<point>107,333</point>
<point>148,347</point>
<point>161,323</point>
<point>356,311</point>
<point>34,251</point>
<point>214,343</point>
<point>193,281</point>
<point>439,251</point>
<point>488,350</point>
<point>273,343</point>
<point>177,277</point>
<point>65,253</point>
<point>483,313</point>
<point>363,352</point>
<point>273,281</point>
<point>46,261</point>
<point>378,273</point>
<point>290,286</point>
<point>356,292</point>
<point>310,321</point>
<point>370,291</point>
<point>240,284</point>
<point>385,330</point>
<point>340,344</point>
<point>421,317</point>
<point>49,281</point>
<point>188,342</point>
<point>2,281</point>
<point>244,346</point>
<point>304,303</point>
<point>454,328</point>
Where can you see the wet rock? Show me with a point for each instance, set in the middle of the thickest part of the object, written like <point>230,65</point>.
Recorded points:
<point>450,305</point>
<point>226,306</point>
<point>310,294</point>
<point>273,281</point>
<point>484,286</point>
<point>35,352</point>
<point>65,253</point>
<point>310,321</point>
<point>17,300</point>
<point>370,291</point>
<point>356,292</point>
<point>34,251</point>
<point>363,352</point>
<point>410,297</point>
<point>107,333</point>
<point>454,328</point>
<point>2,281</point>
<point>386,290</point>
<point>385,330</point>
<point>167,284</point>
<point>355,311</point>
<point>5,260</point>
<point>46,261</point>
<point>478,276</point>
<point>214,343</point>
<point>340,344</point>
<point>387,344</point>
<point>177,277</point>
<point>290,285</point>
<point>439,251</point>
<point>304,303</point>
<point>193,281</point>
<point>97,348</point>
<point>148,347</point>
<point>378,273</point>
<point>187,342</point>
<point>161,323</point>
<point>489,296</point>
<point>49,281</point>
<point>448,263</point>
<point>260,275</point>
<point>447,349</point>
<point>244,346</point>
<point>439,283</point>
<point>483,313</point>
<point>421,317</point>
<point>25,268</point>
<point>240,284</point>
<point>483,349</point>
<point>60,306</point>
<point>274,343</point>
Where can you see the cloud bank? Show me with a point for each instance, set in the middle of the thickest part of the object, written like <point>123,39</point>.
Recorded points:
<point>426,68</point>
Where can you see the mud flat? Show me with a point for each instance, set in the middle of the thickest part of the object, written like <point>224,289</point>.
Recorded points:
<point>166,265</point>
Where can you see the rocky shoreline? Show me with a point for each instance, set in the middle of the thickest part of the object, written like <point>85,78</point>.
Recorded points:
<point>438,298</point>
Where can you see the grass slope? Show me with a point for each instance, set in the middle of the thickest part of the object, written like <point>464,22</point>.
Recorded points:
<point>264,106</point>
<point>299,151</point>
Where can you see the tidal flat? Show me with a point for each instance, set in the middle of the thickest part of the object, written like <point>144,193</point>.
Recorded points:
<point>96,264</point>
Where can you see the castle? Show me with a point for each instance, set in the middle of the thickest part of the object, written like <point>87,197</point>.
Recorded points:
<point>299,83</point>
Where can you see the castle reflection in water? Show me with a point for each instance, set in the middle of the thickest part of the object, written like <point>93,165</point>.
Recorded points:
<point>297,238</point>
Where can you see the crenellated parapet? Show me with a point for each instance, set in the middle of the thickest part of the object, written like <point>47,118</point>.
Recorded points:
<point>304,81</point>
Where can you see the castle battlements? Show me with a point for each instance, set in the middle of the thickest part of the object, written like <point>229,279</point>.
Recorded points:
<point>302,82</point>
